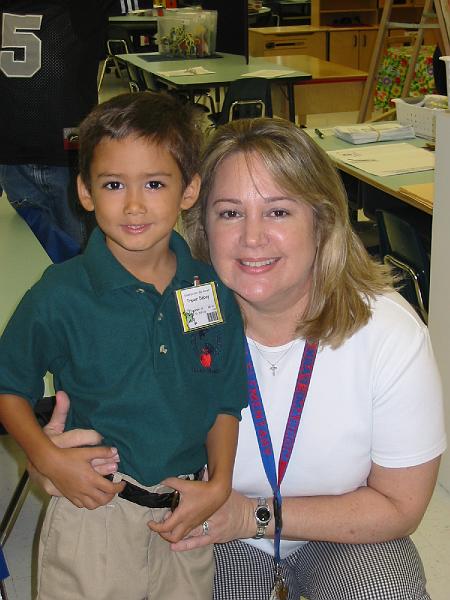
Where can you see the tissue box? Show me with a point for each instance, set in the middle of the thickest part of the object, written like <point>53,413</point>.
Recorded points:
<point>188,34</point>
<point>411,111</point>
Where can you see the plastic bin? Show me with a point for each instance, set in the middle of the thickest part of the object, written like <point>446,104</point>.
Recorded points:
<point>188,34</point>
<point>410,111</point>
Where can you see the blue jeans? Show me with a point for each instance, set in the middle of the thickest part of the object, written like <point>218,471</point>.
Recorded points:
<point>45,197</point>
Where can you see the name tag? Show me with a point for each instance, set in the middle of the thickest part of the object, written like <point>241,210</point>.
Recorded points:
<point>199,306</point>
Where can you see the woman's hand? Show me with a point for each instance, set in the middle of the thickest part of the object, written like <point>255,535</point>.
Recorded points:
<point>233,520</point>
<point>106,459</point>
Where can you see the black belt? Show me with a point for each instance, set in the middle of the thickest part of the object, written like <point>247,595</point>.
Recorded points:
<point>138,495</point>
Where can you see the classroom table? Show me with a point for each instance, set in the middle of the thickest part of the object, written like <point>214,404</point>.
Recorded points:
<point>332,87</point>
<point>135,20</point>
<point>390,185</point>
<point>22,260</point>
<point>137,25</point>
<point>225,67</point>
<point>371,193</point>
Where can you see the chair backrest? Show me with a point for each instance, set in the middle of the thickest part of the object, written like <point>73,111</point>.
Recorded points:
<point>119,42</point>
<point>401,247</point>
<point>247,97</point>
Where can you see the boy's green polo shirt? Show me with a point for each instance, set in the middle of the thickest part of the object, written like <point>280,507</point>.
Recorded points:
<point>116,346</point>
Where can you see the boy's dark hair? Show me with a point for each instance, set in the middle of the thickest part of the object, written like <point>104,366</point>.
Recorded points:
<point>155,116</point>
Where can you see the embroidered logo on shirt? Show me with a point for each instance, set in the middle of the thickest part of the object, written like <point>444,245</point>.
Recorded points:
<point>206,351</point>
<point>206,357</point>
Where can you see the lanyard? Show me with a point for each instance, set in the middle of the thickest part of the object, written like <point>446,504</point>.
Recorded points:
<point>290,433</point>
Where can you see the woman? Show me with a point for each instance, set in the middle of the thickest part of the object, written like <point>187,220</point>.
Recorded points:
<point>356,477</point>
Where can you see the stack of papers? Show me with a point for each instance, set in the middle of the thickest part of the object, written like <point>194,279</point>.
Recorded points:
<point>422,193</point>
<point>390,159</point>
<point>185,72</point>
<point>269,73</point>
<point>376,132</point>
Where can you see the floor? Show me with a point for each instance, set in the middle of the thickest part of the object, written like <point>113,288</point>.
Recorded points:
<point>432,537</point>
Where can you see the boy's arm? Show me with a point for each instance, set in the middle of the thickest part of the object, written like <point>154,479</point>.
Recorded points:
<point>200,499</point>
<point>221,446</point>
<point>74,438</point>
<point>69,469</point>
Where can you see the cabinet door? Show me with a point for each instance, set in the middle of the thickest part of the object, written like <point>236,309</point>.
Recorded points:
<point>367,41</point>
<point>344,48</point>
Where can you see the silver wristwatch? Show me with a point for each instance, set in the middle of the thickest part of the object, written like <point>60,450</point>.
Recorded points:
<point>263,514</point>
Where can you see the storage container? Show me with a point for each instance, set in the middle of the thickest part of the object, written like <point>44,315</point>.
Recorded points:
<point>188,34</point>
<point>411,111</point>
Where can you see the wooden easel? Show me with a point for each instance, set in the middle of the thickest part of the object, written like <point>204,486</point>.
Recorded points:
<point>441,15</point>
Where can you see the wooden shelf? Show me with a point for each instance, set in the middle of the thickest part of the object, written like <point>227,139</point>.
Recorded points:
<point>324,12</point>
<point>349,10</point>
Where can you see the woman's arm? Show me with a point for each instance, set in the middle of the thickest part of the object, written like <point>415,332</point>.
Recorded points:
<point>391,506</point>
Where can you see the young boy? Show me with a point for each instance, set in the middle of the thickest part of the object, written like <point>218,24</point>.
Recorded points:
<point>149,346</point>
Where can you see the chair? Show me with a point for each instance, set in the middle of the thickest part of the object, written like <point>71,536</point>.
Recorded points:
<point>119,42</point>
<point>248,97</point>
<point>402,247</point>
<point>367,228</point>
<point>43,412</point>
<point>265,19</point>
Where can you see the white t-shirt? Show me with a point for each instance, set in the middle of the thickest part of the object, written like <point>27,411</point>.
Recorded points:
<point>377,398</point>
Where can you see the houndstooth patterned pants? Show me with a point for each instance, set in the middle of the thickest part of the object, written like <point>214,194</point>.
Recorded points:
<point>323,571</point>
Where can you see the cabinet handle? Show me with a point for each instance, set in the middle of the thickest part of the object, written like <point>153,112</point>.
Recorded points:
<point>364,40</point>
<point>271,45</point>
<point>355,41</point>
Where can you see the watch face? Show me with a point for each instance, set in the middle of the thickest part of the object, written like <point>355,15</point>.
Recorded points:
<point>263,514</point>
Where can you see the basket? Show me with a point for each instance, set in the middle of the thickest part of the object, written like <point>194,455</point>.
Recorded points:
<point>410,111</point>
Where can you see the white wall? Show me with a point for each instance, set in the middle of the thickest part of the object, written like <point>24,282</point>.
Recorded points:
<point>439,316</point>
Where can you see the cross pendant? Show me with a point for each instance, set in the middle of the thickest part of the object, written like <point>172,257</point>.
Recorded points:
<point>273,368</point>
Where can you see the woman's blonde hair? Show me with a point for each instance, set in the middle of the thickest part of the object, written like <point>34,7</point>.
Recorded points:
<point>345,278</point>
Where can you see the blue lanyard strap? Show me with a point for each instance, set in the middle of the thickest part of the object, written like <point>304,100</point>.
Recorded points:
<point>290,433</point>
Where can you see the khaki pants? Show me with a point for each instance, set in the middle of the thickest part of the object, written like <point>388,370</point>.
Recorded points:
<point>110,554</point>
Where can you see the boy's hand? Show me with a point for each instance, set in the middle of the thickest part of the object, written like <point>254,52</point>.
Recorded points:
<point>71,473</point>
<point>105,462</point>
<point>198,501</point>
<point>234,520</point>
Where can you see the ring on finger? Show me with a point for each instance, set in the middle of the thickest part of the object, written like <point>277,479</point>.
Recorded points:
<point>205,527</point>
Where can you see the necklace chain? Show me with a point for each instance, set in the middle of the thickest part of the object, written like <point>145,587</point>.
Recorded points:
<point>274,365</point>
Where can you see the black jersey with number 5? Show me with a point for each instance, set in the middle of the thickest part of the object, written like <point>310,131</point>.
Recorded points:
<point>49,55</point>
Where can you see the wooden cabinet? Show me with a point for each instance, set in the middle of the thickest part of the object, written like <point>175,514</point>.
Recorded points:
<point>279,41</point>
<point>344,12</point>
<point>352,48</point>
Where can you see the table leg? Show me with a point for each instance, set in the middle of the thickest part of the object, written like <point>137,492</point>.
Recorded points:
<point>291,101</point>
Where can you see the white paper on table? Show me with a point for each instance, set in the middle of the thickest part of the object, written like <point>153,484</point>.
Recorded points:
<point>186,72</point>
<point>267,73</point>
<point>389,159</point>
